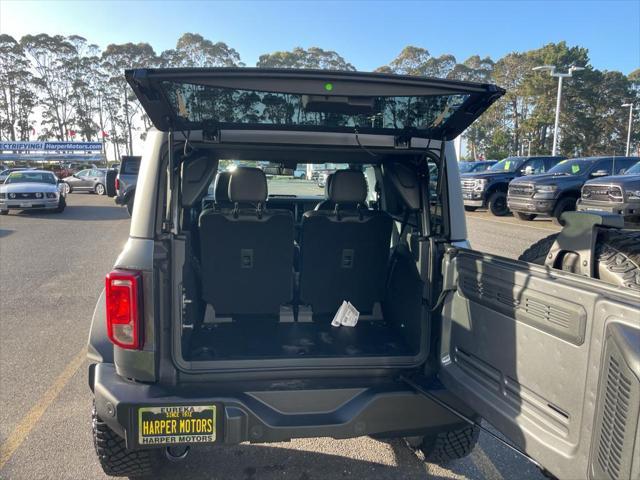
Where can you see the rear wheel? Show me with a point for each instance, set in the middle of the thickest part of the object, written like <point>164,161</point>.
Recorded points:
<point>449,445</point>
<point>116,460</point>
<point>564,205</point>
<point>525,216</point>
<point>617,256</point>
<point>470,209</point>
<point>498,204</point>
<point>99,189</point>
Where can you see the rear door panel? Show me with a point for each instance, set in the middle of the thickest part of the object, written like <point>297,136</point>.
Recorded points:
<point>527,348</point>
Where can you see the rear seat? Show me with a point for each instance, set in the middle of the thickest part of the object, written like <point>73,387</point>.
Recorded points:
<point>344,251</point>
<point>246,250</point>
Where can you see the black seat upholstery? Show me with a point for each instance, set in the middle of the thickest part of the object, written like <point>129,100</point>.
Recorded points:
<point>344,252</point>
<point>246,252</point>
<point>326,204</point>
<point>221,190</point>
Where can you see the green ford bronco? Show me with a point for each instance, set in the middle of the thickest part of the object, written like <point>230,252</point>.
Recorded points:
<point>266,310</point>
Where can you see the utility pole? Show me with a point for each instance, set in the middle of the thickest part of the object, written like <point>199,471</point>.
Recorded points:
<point>630,105</point>
<point>552,71</point>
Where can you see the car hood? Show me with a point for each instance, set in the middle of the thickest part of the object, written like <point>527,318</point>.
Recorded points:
<point>622,180</point>
<point>28,187</point>
<point>490,176</point>
<point>550,179</point>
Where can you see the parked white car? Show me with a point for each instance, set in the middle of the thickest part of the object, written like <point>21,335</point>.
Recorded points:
<point>31,190</point>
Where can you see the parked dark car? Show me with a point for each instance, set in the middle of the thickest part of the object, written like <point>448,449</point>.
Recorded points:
<point>488,189</point>
<point>478,166</point>
<point>559,189</point>
<point>126,181</point>
<point>89,180</point>
<point>615,194</point>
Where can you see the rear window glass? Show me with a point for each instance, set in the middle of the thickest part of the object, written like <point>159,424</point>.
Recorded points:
<point>509,164</point>
<point>201,103</point>
<point>130,167</point>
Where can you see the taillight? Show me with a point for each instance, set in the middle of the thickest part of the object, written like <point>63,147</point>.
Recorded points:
<point>117,183</point>
<point>124,309</point>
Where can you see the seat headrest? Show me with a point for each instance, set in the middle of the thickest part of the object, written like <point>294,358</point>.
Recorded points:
<point>327,185</point>
<point>248,185</point>
<point>221,188</point>
<point>348,186</point>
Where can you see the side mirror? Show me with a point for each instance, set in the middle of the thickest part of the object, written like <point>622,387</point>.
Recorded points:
<point>528,170</point>
<point>599,173</point>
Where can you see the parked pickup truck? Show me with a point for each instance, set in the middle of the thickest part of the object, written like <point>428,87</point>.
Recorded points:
<point>558,191</point>
<point>488,189</point>
<point>616,194</point>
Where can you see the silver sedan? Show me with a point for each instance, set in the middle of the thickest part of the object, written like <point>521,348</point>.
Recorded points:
<point>31,190</point>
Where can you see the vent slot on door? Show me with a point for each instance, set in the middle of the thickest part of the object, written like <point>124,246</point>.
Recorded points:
<point>617,413</point>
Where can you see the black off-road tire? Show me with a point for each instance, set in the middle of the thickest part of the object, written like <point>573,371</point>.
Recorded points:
<point>617,256</point>
<point>450,445</point>
<point>470,209</point>
<point>567,204</point>
<point>527,217</point>
<point>497,204</point>
<point>116,460</point>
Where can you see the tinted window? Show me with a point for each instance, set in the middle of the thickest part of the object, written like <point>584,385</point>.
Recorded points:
<point>621,165</point>
<point>536,166</point>
<point>130,167</point>
<point>572,167</point>
<point>202,103</point>
<point>635,170</point>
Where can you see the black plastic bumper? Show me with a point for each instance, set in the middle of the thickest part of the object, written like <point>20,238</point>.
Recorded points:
<point>392,410</point>
<point>531,205</point>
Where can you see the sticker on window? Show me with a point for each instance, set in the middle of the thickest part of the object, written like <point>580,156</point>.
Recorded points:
<point>575,168</point>
<point>507,165</point>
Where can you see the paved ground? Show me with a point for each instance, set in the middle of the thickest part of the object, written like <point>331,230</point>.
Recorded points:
<point>51,272</point>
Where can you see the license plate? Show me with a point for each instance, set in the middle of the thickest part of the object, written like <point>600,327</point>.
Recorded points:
<point>179,424</point>
<point>466,195</point>
<point>25,205</point>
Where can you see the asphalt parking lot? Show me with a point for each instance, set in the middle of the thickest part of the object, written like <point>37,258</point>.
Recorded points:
<point>51,272</point>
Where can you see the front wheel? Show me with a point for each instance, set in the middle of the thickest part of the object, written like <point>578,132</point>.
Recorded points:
<point>498,204</point>
<point>115,458</point>
<point>66,189</point>
<point>567,204</point>
<point>617,256</point>
<point>100,190</point>
<point>525,216</point>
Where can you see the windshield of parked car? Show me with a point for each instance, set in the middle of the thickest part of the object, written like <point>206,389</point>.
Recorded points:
<point>31,177</point>
<point>509,164</point>
<point>635,170</point>
<point>466,166</point>
<point>577,166</point>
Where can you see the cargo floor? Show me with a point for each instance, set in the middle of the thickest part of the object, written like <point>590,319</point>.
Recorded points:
<point>256,340</point>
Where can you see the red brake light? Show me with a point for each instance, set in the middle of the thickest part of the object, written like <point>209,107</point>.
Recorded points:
<point>117,183</point>
<point>124,317</point>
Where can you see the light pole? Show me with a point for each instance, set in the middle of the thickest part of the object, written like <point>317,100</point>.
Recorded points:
<point>630,105</point>
<point>552,71</point>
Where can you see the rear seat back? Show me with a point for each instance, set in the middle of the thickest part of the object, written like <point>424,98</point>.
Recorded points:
<point>344,252</point>
<point>246,251</point>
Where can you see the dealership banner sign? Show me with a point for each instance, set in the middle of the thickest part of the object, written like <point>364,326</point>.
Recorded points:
<point>52,146</point>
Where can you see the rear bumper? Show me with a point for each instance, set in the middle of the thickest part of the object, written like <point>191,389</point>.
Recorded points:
<point>531,205</point>
<point>391,409</point>
<point>626,209</point>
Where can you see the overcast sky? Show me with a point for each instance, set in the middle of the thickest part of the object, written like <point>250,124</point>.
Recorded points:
<point>368,34</point>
